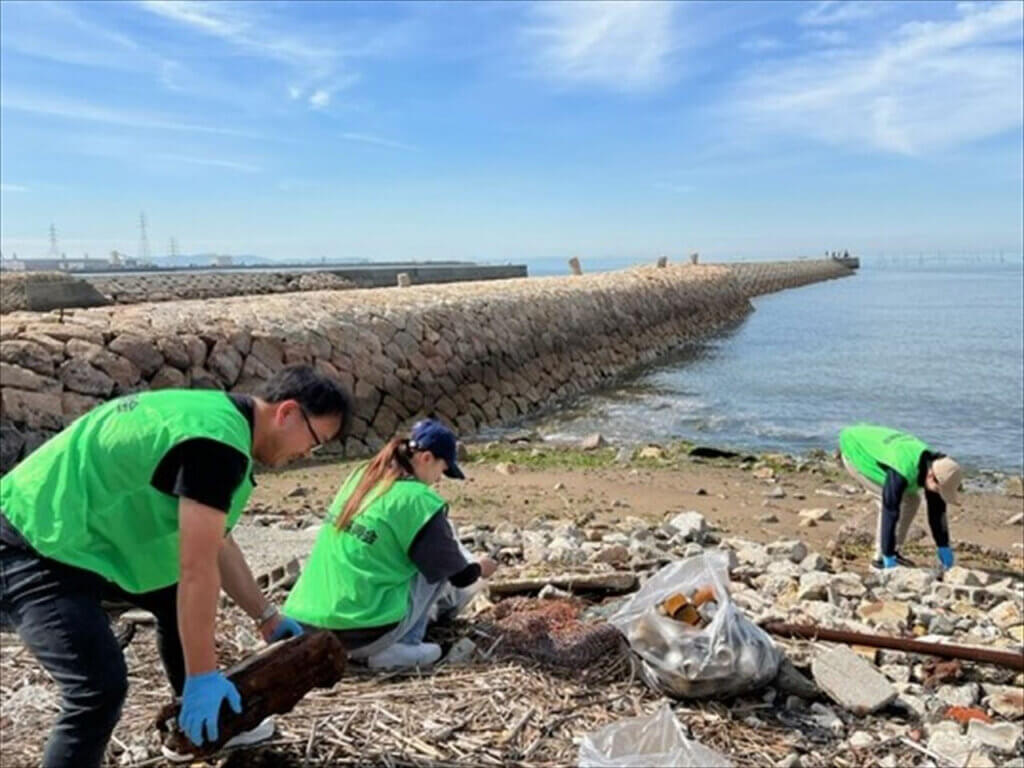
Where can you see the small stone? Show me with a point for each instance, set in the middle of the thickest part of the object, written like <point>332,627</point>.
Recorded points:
<point>763,473</point>
<point>768,519</point>
<point>593,442</point>
<point>885,613</point>
<point>614,555</point>
<point>652,452</point>
<point>559,486</point>
<point>902,579</point>
<point>851,681</point>
<point>792,681</point>
<point>793,550</point>
<point>813,586</point>
<point>940,625</point>
<point>1016,519</point>
<point>1006,614</point>
<point>624,455</point>
<point>461,652</point>
<point>847,584</point>
<point>958,695</point>
<point>551,592</point>
<point>506,468</point>
<point>792,760</point>
<point>813,562</point>
<point>1006,701</point>
<point>690,525</point>
<point>959,576</point>
<point>777,492</point>
<point>953,746</point>
<point>898,673</point>
<point>818,515</point>
<point>861,740</point>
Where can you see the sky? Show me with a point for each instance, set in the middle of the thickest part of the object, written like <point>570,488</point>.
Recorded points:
<point>511,131</point>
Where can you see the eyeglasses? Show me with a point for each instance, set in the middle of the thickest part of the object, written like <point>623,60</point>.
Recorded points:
<point>317,442</point>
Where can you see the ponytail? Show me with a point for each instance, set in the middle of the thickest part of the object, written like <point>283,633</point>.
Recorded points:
<point>391,462</point>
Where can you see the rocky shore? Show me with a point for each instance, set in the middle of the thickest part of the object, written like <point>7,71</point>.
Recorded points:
<point>564,520</point>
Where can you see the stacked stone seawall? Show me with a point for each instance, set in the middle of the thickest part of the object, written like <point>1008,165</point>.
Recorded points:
<point>475,354</point>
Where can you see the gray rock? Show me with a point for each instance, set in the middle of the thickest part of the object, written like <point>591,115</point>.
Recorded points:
<point>1004,737</point>
<point>940,625</point>
<point>813,586</point>
<point>792,760</point>
<point>777,492</point>
<point>461,652</point>
<point>1006,614</point>
<point>792,681</point>
<point>851,681</point>
<point>956,748</point>
<point>861,740</point>
<point>813,562</point>
<point>916,580</point>
<point>690,525</point>
<point>959,695</point>
<point>593,442</point>
<point>793,550</point>
<point>1005,700</point>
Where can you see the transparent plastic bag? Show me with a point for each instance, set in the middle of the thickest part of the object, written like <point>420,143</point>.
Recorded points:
<point>656,741</point>
<point>730,655</point>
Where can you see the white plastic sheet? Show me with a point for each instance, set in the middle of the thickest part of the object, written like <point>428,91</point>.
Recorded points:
<point>656,741</point>
<point>730,655</point>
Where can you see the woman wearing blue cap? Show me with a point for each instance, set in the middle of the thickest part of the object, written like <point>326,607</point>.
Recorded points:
<point>387,554</point>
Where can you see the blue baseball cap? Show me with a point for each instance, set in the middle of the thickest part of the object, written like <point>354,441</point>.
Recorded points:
<point>431,435</point>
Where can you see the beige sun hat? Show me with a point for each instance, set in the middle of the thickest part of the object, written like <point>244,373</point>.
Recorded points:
<point>948,474</point>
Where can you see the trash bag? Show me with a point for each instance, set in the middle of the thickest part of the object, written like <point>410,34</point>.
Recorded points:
<point>656,741</point>
<point>728,655</point>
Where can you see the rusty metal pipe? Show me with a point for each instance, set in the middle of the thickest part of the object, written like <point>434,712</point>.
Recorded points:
<point>1010,659</point>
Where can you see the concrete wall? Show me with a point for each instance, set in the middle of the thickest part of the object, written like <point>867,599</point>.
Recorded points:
<point>475,354</point>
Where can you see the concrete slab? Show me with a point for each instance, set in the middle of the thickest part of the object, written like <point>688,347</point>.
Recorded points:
<point>851,681</point>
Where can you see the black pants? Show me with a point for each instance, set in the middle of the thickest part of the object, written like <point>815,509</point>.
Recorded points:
<point>56,610</point>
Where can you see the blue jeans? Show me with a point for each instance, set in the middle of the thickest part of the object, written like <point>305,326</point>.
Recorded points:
<point>56,610</point>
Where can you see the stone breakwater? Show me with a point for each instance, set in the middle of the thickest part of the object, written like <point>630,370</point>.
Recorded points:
<point>476,354</point>
<point>135,289</point>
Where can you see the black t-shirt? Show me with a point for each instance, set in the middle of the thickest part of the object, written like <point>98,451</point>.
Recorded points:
<point>205,470</point>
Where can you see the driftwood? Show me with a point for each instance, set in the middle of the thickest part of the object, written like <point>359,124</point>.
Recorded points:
<point>270,682</point>
<point>615,581</point>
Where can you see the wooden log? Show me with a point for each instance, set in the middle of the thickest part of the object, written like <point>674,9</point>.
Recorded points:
<point>270,682</point>
<point>616,581</point>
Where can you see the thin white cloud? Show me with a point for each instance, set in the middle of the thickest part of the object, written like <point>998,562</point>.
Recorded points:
<point>671,186</point>
<point>122,117</point>
<point>320,98</point>
<point>829,12</point>
<point>12,188</point>
<point>930,86</point>
<point>827,37</point>
<point>761,44</point>
<point>316,66</point>
<point>617,45</point>
<point>212,162</point>
<point>367,138</point>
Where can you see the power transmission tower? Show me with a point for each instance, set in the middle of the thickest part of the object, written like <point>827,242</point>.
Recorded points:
<point>54,252</point>
<point>143,239</point>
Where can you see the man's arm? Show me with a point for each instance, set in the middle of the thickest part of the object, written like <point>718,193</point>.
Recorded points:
<point>240,585</point>
<point>892,497</point>
<point>937,518</point>
<point>201,536</point>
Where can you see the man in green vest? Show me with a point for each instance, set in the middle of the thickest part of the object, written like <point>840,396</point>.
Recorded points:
<point>135,501</point>
<point>895,468</point>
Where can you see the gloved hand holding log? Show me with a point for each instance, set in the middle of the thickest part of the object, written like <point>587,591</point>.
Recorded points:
<point>271,682</point>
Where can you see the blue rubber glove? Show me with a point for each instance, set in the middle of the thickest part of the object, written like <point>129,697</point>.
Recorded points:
<point>946,557</point>
<point>889,561</point>
<point>285,628</point>
<point>200,704</point>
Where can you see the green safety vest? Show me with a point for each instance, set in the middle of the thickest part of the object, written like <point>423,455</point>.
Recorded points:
<point>361,577</point>
<point>868,447</point>
<point>84,497</point>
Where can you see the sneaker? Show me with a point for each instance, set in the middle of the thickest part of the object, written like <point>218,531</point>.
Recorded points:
<point>905,562</point>
<point>402,655</point>
<point>261,732</point>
